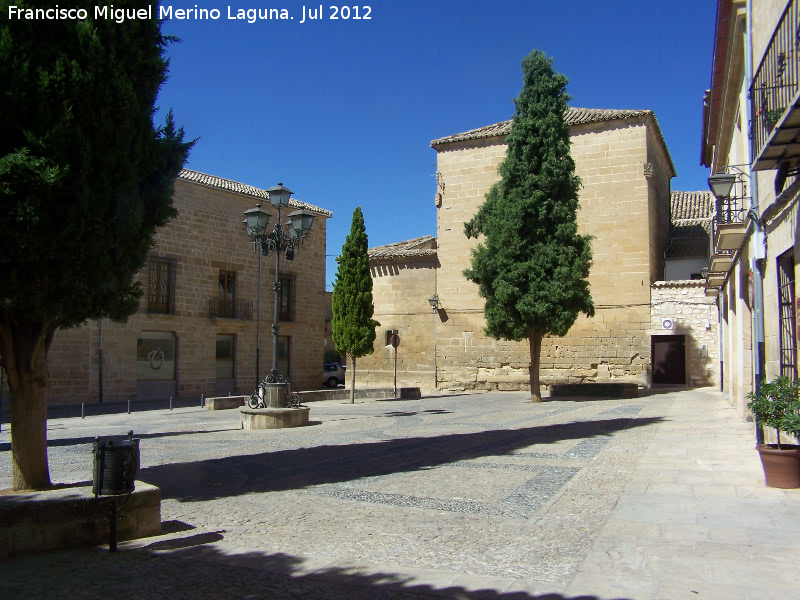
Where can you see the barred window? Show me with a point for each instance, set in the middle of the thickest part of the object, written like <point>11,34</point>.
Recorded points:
<point>161,286</point>
<point>227,295</point>
<point>286,299</point>
<point>786,311</point>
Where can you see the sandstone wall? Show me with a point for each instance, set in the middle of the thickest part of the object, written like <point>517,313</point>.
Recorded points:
<point>695,316</point>
<point>623,205</point>
<point>207,237</point>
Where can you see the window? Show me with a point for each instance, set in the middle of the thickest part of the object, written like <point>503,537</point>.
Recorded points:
<point>225,356</point>
<point>226,296</point>
<point>286,299</point>
<point>788,356</point>
<point>155,356</point>
<point>161,286</point>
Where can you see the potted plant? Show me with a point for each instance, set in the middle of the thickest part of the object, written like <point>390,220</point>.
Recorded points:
<point>777,405</point>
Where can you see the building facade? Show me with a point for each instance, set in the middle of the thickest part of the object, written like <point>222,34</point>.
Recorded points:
<point>195,331</point>
<point>625,204</point>
<point>750,134</point>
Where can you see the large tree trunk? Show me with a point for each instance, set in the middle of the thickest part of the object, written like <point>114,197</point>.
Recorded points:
<point>24,355</point>
<point>535,340</point>
<point>353,382</point>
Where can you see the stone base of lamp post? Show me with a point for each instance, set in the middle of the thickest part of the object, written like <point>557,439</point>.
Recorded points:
<point>275,395</point>
<point>274,418</point>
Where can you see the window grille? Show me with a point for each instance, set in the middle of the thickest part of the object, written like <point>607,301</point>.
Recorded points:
<point>161,286</point>
<point>788,343</point>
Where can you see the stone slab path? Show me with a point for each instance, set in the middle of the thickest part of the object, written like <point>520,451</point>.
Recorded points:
<point>471,496</point>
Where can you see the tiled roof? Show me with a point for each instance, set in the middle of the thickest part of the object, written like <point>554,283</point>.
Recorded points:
<point>691,205</point>
<point>679,283</point>
<point>687,248</point>
<point>421,246</point>
<point>243,189</point>
<point>573,116</point>
<point>691,224</point>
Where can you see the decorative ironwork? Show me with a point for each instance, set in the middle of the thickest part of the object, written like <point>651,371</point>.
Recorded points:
<point>161,286</point>
<point>258,399</point>
<point>230,309</point>
<point>777,79</point>
<point>276,242</point>
<point>788,341</point>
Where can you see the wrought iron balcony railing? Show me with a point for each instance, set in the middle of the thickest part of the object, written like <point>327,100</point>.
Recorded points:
<point>227,309</point>
<point>774,94</point>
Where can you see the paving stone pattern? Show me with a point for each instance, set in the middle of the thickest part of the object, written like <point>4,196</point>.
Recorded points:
<point>470,496</point>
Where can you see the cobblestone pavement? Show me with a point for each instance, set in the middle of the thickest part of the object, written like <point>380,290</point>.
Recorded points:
<point>471,496</point>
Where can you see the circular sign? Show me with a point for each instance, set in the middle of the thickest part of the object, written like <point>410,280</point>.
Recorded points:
<point>394,340</point>
<point>667,324</point>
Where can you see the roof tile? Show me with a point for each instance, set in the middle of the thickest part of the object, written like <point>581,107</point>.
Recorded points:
<point>243,189</point>
<point>573,116</point>
<point>421,246</point>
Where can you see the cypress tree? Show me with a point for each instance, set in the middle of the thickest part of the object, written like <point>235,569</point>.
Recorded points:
<point>353,326</point>
<point>85,181</point>
<point>532,265</point>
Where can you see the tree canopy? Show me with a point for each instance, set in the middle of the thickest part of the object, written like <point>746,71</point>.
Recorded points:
<point>531,264</point>
<point>85,181</point>
<point>353,325</point>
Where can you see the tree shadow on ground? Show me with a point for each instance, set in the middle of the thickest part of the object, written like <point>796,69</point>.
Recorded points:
<point>196,566</point>
<point>301,468</point>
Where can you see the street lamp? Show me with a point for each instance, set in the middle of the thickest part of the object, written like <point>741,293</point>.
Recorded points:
<point>721,184</point>
<point>275,242</point>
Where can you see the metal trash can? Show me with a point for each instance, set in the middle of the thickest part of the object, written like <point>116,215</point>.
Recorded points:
<point>116,461</point>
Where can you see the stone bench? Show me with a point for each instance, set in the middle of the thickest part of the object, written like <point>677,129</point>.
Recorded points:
<point>604,390</point>
<point>67,517</point>
<point>225,402</point>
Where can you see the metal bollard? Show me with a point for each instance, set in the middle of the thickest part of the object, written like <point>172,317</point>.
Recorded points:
<point>83,410</point>
<point>202,400</point>
<point>129,407</point>
<point>170,402</point>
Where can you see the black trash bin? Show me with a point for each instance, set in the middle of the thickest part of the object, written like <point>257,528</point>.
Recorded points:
<point>116,461</point>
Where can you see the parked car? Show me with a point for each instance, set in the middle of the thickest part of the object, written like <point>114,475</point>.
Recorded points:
<point>333,374</point>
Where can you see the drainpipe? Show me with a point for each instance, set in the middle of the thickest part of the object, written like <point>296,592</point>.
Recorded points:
<point>758,238</point>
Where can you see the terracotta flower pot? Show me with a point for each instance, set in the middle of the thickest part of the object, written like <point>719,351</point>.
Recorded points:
<point>781,464</point>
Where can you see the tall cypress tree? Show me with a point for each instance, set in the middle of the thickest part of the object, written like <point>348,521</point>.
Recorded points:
<point>85,181</point>
<point>532,265</point>
<point>353,326</point>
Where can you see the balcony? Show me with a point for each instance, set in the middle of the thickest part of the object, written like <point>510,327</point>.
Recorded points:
<point>731,210</point>
<point>720,263</point>
<point>775,97</point>
<point>715,280</point>
<point>730,224</point>
<point>230,309</point>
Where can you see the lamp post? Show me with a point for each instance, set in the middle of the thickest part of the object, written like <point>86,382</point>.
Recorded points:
<point>275,242</point>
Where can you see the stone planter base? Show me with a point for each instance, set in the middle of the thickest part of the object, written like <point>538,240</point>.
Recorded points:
<point>68,517</point>
<point>274,418</point>
<point>781,465</point>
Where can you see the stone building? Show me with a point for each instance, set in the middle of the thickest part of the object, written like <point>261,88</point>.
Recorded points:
<point>625,204</point>
<point>195,332</point>
<point>684,319</point>
<point>750,125</point>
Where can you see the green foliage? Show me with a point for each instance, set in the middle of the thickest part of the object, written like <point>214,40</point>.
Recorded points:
<point>85,177</point>
<point>777,405</point>
<point>353,325</point>
<point>531,265</point>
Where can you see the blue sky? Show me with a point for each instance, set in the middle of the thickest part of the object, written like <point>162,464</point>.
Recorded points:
<point>343,111</point>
